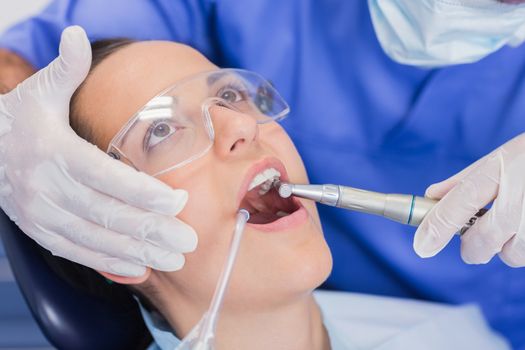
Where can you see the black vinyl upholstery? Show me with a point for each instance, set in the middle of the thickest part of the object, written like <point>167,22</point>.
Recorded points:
<point>72,317</point>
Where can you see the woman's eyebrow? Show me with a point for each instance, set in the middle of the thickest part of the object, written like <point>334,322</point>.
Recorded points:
<point>213,78</point>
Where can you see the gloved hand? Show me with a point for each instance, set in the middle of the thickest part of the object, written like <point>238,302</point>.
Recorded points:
<point>501,176</point>
<point>71,197</point>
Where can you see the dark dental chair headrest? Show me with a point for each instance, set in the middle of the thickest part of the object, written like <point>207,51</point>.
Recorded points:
<point>73,313</point>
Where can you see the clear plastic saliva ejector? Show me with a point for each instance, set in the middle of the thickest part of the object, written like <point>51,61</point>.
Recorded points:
<point>202,336</point>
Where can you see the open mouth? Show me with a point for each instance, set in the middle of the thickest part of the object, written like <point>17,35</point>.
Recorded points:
<point>262,200</point>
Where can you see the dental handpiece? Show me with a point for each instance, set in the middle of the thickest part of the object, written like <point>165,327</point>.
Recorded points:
<point>404,208</point>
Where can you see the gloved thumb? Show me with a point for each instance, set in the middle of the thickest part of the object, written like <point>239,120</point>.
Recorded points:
<point>71,67</point>
<point>57,82</point>
<point>440,189</point>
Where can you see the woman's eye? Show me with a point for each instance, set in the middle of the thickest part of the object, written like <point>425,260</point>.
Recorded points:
<point>231,95</point>
<point>159,132</point>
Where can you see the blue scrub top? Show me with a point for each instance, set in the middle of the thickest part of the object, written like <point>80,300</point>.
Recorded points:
<point>358,118</point>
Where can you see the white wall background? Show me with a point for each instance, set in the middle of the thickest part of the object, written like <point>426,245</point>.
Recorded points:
<point>12,11</point>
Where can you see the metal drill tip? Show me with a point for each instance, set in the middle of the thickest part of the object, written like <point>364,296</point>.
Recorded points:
<point>284,189</point>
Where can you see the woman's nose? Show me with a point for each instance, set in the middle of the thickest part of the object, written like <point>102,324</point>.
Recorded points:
<point>235,132</point>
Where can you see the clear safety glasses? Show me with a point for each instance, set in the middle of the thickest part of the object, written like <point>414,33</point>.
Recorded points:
<point>175,127</point>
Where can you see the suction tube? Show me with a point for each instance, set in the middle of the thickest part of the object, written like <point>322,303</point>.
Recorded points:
<point>202,336</point>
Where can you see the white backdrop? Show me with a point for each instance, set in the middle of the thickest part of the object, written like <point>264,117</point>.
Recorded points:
<point>12,11</point>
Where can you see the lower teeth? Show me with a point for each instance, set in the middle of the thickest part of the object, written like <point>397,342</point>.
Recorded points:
<point>282,214</point>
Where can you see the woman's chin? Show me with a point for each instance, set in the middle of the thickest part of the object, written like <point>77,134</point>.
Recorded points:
<point>314,271</point>
<point>307,271</point>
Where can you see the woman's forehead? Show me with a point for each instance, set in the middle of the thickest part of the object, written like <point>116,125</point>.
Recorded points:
<point>156,58</point>
<point>130,77</point>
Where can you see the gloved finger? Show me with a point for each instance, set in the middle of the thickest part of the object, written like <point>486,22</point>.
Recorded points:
<point>63,198</point>
<point>66,249</point>
<point>98,239</point>
<point>5,187</point>
<point>164,231</point>
<point>487,236</point>
<point>513,252</point>
<point>58,81</point>
<point>116,179</point>
<point>451,213</point>
<point>440,189</point>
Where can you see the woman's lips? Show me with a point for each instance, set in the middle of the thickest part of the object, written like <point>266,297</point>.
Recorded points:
<point>295,219</point>
<point>256,168</point>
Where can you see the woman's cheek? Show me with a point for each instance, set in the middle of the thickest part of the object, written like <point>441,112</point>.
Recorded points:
<point>193,211</point>
<point>205,261</point>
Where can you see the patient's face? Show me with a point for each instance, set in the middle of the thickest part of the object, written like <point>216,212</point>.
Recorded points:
<point>277,260</point>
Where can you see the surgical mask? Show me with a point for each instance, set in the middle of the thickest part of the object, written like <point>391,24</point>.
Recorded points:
<point>175,127</point>
<point>433,33</point>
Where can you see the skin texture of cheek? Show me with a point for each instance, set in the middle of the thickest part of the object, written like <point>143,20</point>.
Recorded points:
<point>204,212</point>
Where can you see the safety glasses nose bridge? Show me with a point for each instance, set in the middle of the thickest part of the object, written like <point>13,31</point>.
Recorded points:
<point>171,127</point>
<point>211,102</point>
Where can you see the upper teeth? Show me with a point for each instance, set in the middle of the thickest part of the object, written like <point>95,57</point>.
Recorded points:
<point>265,177</point>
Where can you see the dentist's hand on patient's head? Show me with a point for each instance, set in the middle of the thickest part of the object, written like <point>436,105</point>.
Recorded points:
<point>499,176</point>
<point>71,197</point>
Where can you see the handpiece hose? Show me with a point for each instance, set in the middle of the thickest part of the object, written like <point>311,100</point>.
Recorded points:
<point>404,208</point>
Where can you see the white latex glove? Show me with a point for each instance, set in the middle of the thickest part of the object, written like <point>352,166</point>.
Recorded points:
<point>499,176</point>
<point>71,197</point>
